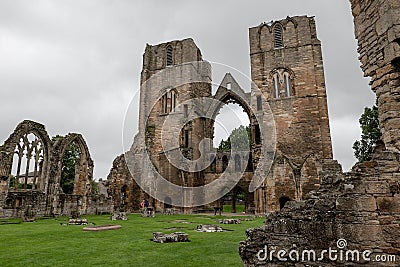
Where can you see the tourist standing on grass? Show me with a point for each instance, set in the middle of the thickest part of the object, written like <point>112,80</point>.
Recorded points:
<point>142,205</point>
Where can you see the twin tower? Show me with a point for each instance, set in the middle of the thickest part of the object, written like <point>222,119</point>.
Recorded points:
<point>287,70</point>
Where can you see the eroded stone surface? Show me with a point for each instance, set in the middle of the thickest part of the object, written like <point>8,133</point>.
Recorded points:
<point>39,190</point>
<point>229,221</point>
<point>209,228</point>
<point>362,206</point>
<point>101,228</point>
<point>173,237</point>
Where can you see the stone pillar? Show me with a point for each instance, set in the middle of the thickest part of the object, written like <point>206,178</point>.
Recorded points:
<point>233,201</point>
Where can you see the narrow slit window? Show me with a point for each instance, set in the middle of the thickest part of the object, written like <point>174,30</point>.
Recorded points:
<point>257,133</point>
<point>259,103</point>
<point>174,99</point>
<point>186,141</point>
<point>276,86</point>
<point>287,85</point>
<point>185,110</point>
<point>169,56</point>
<point>163,104</point>
<point>237,163</point>
<point>278,36</point>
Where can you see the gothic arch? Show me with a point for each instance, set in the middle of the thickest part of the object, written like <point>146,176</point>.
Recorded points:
<point>235,94</point>
<point>84,169</point>
<point>8,149</point>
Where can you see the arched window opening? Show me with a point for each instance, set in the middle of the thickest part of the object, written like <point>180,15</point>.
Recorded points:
<point>276,86</point>
<point>225,162</point>
<point>168,102</point>
<point>287,84</point>
<point>238,164</point>
<point>213,166</point>
<point>27,163</point>
<point>167,203</point>
<point>169,56</point>
<point>278,36</point>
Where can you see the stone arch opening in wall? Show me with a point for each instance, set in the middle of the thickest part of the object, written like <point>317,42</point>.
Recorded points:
<point>237,96</point>
<point>241,199</point>
<point>278,35</point>
<point>83,164</point>
<point>229,96</point>
<point>167,203</point>
<point>24,157</point>
<point>282,201</point>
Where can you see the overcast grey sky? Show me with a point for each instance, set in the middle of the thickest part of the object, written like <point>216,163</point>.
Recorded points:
<point>74,65</point>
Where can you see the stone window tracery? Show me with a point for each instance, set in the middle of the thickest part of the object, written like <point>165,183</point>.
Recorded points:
<point>27,162</point>
<point>168,101</point>
<point>282,83</point>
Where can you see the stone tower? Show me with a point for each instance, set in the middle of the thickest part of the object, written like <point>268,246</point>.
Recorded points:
<point>168,79</point>
<point>286,65</point>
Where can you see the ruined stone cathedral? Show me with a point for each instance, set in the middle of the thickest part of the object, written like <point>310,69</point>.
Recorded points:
<point>287,67</point>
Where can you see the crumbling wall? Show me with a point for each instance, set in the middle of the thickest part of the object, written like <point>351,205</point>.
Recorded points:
<point>361,209</point>
<point>46,196</point>
<point>122,188</point>
<point>377,29</point>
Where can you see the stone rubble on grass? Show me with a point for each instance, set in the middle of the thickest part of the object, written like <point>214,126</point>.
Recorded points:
<point>77,221</point>
<point>159,237</point>
<point>209,228</point>
<point>121,216</point>
<point>229,221</point>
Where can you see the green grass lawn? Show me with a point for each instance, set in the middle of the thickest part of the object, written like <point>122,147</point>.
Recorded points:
<point>48,243</point>
<point>239,208</point>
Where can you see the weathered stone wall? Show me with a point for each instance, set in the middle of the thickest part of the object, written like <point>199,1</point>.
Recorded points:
<point>126,194</point>
<point>155,85</point>
<point>361,206</point>
<point>377,29</point>
<point>46,198</point>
